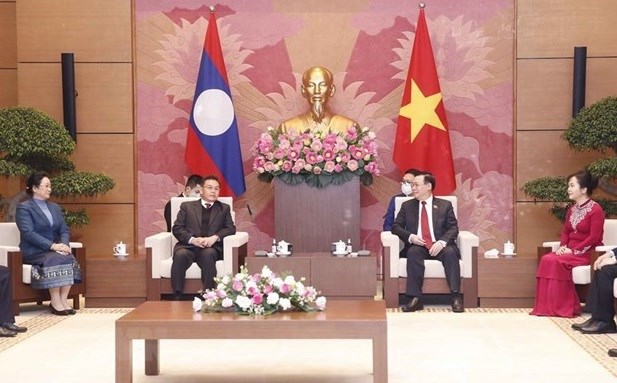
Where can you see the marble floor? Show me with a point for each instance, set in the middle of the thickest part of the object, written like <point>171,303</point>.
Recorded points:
<point>434,345</point>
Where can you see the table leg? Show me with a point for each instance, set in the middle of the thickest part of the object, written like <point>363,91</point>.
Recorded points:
<point>380,357</point>
<point>152,356</point>
<point>124,358</point>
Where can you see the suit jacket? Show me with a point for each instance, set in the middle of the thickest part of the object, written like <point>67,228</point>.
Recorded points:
<point>445,225</point>
<point>188,223</point>
<point>36,234</point>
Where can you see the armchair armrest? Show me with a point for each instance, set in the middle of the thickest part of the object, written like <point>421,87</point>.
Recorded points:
<point>393,242</point>
<point>4,250</point>
<point>76,245</point>
<point>553,245</point>
<point>161,249</point>
<point>605,248</point>
<point>230,243</point>
<point>466,241</point>
<point>546,248</point>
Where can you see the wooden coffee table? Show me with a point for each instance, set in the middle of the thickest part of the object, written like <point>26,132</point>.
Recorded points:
<point>154,320</point>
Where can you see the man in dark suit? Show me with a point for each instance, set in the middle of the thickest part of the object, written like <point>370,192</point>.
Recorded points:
<point>192,188</point>
<point>200,228</point>
<point>428,228</point>
<point>601,298</point>
<point>7,320</point>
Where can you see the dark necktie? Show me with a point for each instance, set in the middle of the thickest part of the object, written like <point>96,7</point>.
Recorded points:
<point>425,228</point>
<point>208,205</point>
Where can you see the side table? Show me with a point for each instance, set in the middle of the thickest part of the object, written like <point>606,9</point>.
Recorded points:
<point>114,282</point>
<point>507,281</point>
<point>335,277</point>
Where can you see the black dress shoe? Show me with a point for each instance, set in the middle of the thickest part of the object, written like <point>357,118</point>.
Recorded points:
<point>13,327</point>
<point>612,352</point>
<point>600,327</point>
<point>71,311</point>
<point>58,312</point>
<point>6,333</point>
<point>177,297</point>
<point>413,305</point>
<point>579,326</point>
<point>457,304</point>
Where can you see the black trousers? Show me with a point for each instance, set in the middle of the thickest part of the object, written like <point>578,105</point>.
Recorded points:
<point>416,255</point>
<point>183,259</point>
<point>6,296</point>
<point>600,297</point>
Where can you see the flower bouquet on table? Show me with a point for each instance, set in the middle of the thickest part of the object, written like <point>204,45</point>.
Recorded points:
<point>315,157</point>
<point>262,294</point>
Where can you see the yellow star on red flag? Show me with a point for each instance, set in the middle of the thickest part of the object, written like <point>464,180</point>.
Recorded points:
<point>421,110</point>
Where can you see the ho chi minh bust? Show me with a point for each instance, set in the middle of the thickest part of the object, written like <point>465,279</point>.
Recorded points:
<point>317,88</point>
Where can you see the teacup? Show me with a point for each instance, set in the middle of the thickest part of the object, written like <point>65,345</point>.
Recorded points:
<point>508,248</point>
<point>282,247</point>
<point>339,247</point>
<point>120,249</point>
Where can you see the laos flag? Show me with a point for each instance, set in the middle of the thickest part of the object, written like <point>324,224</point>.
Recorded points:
<point>212,142</point>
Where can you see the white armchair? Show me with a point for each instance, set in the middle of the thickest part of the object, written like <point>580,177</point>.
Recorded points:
<point>581,275</point>
<point>159,256</point>
<point>395,268</point>
<point>21,273</point>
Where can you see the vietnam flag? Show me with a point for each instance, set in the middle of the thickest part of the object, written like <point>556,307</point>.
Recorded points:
<point>422,139</point>
<point>212,142</point>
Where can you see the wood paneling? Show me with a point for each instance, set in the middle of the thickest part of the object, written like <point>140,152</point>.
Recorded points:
<point>534,225</point>
<point>544,90</point>
<point>544,153</point>
<point>551,28</point>
<point>96,31</point>
<point>8,87</point>
<point>8,37</point>
<point>109,224</point>
<point>111,154</point>
<point>104,103</point>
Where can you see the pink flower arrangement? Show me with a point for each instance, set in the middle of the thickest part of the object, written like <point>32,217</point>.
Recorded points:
<point>315,157</point>
<point>261,294</point>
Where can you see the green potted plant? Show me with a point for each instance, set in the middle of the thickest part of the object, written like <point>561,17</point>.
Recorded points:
<point>32,141</point>
<point>593,128</point>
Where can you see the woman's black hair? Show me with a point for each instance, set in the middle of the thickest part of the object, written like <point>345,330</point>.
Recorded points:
<point>585,180</point>
<point>34,181</point>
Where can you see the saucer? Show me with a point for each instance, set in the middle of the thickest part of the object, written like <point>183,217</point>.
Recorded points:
<point>343,253</point>
<point>507,255</point>
<point>285,253</point>
<point>124,255</point>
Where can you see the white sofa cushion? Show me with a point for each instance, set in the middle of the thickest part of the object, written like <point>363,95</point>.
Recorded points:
<point>193,272</point>
<point>581,275</point>
<point>432,268</point>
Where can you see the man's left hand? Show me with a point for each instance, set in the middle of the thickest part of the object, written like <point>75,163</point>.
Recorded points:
<point>436,248</point>
<point>211,240</point>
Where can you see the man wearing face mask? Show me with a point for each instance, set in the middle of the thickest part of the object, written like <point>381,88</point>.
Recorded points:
<point>191,189</point>
<point>408,177</point>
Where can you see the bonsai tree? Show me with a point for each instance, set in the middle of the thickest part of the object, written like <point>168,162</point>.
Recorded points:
<point>32,141</point>
<point>593,128</point>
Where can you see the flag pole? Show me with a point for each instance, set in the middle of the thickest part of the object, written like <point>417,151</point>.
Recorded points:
<point>421,5</point>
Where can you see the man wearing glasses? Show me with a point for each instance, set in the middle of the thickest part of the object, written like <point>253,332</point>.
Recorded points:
<point>408,177</point>
<point>200,228</point>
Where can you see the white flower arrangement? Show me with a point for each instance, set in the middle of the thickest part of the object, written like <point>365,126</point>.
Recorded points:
<point>261,294</point>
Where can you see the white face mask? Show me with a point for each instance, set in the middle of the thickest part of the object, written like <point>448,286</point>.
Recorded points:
<point>406,188</point>
<point>194,193</point>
